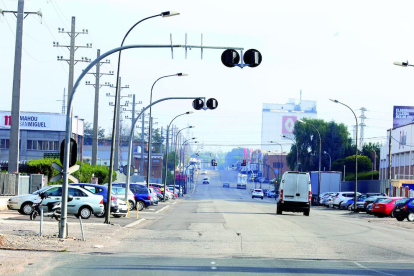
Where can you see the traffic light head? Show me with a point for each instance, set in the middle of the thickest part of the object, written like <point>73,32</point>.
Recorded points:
<point>243,163</point>
<point>213,162</point>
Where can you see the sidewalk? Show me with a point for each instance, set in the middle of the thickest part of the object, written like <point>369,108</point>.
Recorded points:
<point>3,202</point>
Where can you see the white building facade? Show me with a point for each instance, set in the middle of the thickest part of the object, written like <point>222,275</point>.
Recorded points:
<point>279,119</point>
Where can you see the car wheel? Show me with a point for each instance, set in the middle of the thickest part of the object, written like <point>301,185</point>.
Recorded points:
<point>410,216</point>
<point>400,218</point>
<point>306,213</point>
<point>279,210</point>
<point>26,208</point>
<point>131,205</point>
<point>392,214</point>
<point>141,205</point>
<point>252,196</point>
<point>349,207</point>
<point>262,198</point>
<point>101,215</point>
<point>119,216</point>
<point>85,212</point>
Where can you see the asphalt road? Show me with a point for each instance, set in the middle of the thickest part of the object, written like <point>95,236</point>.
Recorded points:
<point>223,231</point>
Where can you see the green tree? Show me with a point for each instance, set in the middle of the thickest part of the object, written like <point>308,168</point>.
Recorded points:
<point>364,163</point>
<point>88,131</point>
<point>335,141</point>
<point>372,150</point>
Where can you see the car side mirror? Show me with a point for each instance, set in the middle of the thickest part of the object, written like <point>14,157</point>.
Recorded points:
<point>70,198</point>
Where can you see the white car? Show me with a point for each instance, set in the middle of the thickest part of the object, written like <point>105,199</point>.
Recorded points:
<point>84,203</point>
<point>119,193</point>
<point>258,193</point>
<point>339,197</point>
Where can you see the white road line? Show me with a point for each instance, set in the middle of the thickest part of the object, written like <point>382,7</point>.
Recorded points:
<point>162,209</point>
<point>174,202</point>
<point>134,223</point>
<point>370,269</point>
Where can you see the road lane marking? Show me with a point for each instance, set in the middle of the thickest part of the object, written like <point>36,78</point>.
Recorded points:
<point>162,209</point>
<point>374,270</point>
<point>134,223</point>
<point>174,202</point>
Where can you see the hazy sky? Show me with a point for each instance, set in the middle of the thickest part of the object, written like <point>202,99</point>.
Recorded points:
<point>327,49</point>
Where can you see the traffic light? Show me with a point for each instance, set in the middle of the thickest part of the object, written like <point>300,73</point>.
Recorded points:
<point>213,162</point>
<point>243,163</point>
<point>251,58</point>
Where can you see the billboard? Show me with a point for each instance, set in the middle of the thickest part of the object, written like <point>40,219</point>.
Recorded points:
<point>288,124</point>
<point>402,115</point>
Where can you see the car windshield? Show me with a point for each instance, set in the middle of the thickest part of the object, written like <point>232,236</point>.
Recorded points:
<point>402,201</point>
<point>41,190</point>
<point>388,200</point>
<point>259,191</point>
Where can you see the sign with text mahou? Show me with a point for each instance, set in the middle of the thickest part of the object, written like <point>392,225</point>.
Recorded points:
<point>35,121</point>
<point>288,124</point>
<point>402,115</point>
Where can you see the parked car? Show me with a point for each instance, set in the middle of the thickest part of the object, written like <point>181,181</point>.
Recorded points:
<point>363,206</point>
<point>158,191</point>
<point>257,193</point>
<point>271,194</point>
<point>294,193</point>
<point>341,196</point>
<point>119,193</point>
<point>404,209</point>
<point>385,208</point>
<point>117,208</point>
<point>324,198</point>
<point>226,184</point>
<point>206,181</point>
<point>349,204</point>
<point>154,196</point>
<point>141,194</point>
<point>84,203</point>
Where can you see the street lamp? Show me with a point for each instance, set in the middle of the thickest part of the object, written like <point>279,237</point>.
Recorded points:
<point>297,151</point>
<point>320,150</point>
<point>183,147</point>
<point>166,149</point>
<point>281,152</point>
<point>176,139</point>
<point>356,146</point>
<point>150,125</point>
<point>330,159</point>
<point>403,64</point>
<point>114,127</point>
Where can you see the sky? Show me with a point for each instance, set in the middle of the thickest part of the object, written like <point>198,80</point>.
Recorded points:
<point>328,49</point>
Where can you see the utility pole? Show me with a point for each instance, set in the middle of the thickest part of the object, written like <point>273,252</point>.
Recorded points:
<point>97,86</point>
<point>133,112</point>
<point>63,100</point>
<point>362,125</point>
<point>17,77</point>
<point>141,165</point>
<point>117,142</point>
<point>389,154</point>
<point>72,49</point>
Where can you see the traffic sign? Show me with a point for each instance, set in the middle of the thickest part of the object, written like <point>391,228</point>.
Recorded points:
<point>60,175</point>
<point>73,152</point>
<point>124,170</point>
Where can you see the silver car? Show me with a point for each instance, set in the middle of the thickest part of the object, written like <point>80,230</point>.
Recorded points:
<point>84,203</point>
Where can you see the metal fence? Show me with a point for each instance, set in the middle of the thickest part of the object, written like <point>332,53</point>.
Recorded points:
<point>366,186</point>
<point>9,184</point>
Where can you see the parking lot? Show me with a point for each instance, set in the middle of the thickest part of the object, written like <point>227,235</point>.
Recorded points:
<point>148,213</point>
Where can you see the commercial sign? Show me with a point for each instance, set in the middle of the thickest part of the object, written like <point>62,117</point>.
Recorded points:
<point>288,124</point>
<point>41,121</point>
<point>403,115</point>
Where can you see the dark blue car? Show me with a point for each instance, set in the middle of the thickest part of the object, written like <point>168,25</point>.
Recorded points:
<point>141,193</point>
<point>404,209</point>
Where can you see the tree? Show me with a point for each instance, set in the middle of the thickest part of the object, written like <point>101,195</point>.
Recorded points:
<point>335,141</point>
<point>172,156</point>
<point>364,163</point>
<point>370,150</point>
<point>88,131</point>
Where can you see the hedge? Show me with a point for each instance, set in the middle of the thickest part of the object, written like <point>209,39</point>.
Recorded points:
<point>44,166</point>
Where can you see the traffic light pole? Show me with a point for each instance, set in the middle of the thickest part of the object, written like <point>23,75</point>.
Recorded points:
<point>68,123</point>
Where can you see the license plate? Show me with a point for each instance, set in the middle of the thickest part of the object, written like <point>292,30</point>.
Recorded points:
<point>376,206</point>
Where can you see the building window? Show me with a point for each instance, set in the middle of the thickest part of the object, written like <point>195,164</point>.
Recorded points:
<point>4,143</point>
<point>43,145</point>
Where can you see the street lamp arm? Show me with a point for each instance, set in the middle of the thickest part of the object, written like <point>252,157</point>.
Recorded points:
<point>123,40</point>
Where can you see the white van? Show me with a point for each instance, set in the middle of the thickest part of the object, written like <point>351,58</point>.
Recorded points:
<point>294,193</point>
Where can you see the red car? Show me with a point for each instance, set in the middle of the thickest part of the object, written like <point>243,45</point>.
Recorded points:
<point>385,207</point>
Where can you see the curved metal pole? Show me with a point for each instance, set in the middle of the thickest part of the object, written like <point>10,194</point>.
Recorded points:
<point>176,139</point>
<point>297,151</point>
<point>320,154</point>
<point>166,153</point>
<point>131,134</point>
<point>150,131</point>
<point>356,154</point>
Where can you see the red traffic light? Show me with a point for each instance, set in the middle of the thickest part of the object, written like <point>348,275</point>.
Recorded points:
<point>243,163</point>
